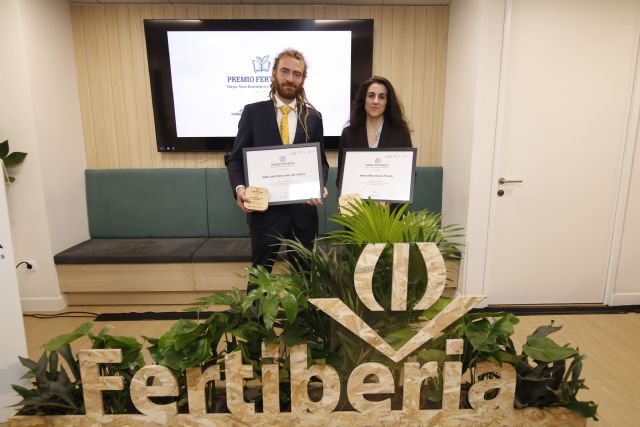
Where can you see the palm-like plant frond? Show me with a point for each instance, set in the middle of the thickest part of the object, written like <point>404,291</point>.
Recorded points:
<point>368,221</point>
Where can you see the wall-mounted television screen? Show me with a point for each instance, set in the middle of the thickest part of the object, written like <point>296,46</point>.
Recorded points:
<point>203,73</point>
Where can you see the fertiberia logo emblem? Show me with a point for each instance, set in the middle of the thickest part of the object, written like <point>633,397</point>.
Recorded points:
<point>363,282</point>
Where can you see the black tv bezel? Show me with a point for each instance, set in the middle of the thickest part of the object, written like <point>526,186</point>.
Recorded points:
<point>160,71</point>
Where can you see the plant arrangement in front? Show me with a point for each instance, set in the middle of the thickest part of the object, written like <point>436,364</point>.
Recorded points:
<point>282,313</point>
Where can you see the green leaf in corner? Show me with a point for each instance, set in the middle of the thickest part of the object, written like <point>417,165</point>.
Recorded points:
<point>544,349</point>
<point>60,340</point>
<point>14,159</point>
<point>584,409</point>
<point>4,148</point>
<point>546,329</point>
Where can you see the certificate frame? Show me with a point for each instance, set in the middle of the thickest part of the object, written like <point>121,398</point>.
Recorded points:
<point>372,157</point>
<point>277,156</point>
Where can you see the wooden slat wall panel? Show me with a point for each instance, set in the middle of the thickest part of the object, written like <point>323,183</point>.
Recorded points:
<point>410,47</point>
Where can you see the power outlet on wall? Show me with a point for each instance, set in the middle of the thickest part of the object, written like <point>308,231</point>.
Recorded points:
<point>34,265</point>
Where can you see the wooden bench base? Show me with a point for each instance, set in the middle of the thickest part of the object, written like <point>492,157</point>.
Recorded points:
<point>180,283</point>
<point>116,284</point>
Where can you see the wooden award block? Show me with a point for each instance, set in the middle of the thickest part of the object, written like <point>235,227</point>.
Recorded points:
<point>347,199</point>
<point>256,198</point>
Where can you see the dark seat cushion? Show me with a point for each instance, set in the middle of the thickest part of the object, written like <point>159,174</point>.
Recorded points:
<point>131,251</point>
<point>224,249</point>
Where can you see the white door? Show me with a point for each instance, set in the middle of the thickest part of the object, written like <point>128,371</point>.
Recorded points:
<point>565,87</point>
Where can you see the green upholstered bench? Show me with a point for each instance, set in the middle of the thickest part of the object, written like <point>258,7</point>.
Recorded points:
<point>170,235</point>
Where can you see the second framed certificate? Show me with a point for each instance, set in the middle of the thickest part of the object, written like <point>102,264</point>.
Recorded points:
<point>384,174</point>
<point>291,173</point>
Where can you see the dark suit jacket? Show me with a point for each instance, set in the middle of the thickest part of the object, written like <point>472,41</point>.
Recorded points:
<point>390,137</point>
<point>258,127</point>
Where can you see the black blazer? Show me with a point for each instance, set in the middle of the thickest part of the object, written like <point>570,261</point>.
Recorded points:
<point>258,127</point>
<point>390,137</point>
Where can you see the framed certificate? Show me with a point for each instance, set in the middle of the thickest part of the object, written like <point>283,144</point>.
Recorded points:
<point>292,173</point>
<point>384,174</point>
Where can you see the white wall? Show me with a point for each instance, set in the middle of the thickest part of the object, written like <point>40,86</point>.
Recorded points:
<point>56,108</point>
<point>12,333</point>
<point>471,97</point>
<point>627,284</point>
<point>40,114</point>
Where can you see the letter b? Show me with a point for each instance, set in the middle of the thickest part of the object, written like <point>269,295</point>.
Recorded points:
<point>300,377</point>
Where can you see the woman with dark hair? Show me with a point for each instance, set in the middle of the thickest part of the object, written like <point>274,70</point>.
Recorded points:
<point>376,121</point>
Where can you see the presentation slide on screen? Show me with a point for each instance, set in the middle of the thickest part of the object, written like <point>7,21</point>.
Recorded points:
<point>216,73</point>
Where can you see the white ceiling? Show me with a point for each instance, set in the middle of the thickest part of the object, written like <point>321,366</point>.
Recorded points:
<point>297,2</point>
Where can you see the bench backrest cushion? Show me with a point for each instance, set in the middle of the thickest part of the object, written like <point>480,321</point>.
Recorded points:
<point>141,203</point>
<point>157,203</point>
<point>224,216</point>
<point>427,192</point>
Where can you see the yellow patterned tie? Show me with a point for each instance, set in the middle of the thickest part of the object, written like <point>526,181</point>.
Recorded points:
<point>284,124</point>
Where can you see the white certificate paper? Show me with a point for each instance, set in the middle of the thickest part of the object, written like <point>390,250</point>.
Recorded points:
<point>291,173</point>
<point>381,174</point>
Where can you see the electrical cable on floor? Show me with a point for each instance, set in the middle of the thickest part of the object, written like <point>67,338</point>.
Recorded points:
<point>79,314</point>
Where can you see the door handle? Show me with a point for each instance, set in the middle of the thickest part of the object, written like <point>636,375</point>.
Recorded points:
<point>508,181</point>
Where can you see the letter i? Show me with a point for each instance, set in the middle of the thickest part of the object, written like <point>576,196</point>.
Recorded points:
<point>452,377</point>
<point>270,380</point>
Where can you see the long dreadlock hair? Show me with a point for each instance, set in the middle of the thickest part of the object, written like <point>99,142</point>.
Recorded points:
<point>301,96</point>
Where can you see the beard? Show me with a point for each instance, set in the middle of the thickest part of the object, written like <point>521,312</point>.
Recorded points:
<point>287,90</point>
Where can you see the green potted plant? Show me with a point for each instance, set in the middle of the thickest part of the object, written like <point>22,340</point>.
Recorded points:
<point>279,311</point>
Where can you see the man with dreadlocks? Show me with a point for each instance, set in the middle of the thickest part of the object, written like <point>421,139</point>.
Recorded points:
<point>261,126</point>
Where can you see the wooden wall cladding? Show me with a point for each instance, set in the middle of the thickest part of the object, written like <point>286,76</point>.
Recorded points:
<point>410,46</point>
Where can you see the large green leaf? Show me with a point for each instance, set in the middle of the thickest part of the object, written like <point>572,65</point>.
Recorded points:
<point>199,352</point>
<point>503,327</point>
<point>270,310</point>
<point>544,349</point>
<point>130,349</point>
<point>14,159</point>
<point>187,334</point>
<point>4,148</point>
<point>60,340</point>
<point>546,329</point>
<point>584,409</point>
<point>480,335</point>
<point>28,363</point>
<point>290,306</point>
<point>25,393</point>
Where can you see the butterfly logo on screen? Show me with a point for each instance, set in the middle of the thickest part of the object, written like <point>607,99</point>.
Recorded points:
<point>261,64</point>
